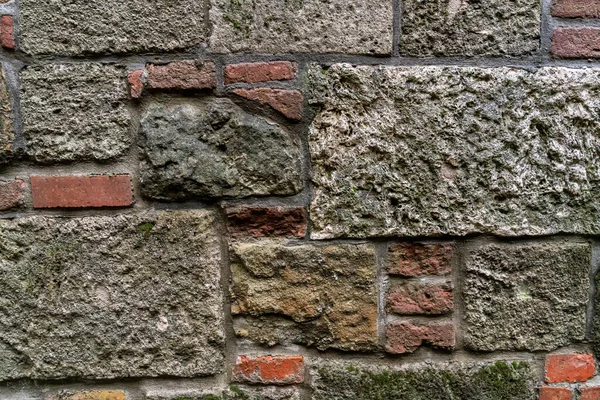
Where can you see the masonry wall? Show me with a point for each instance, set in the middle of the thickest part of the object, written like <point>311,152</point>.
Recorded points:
<point>299,199</point>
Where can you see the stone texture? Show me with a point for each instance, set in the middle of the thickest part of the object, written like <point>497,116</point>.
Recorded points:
<point>302,26</point>
<point>182,75</point>
<point>470,28</point>
<point>7,135</point>
<point>416,298</point>
<point>211,148</point>
<point>432,381</point>
<point>530,296</point>
<point>406,337</point>
<point>433,150</point>
<point>569,368</point>
<point>11,194</point>
<point>325,295</point>
<point>287,102</point>
<point>75,112</point>
<point>80,27</point>
<point>266,221</point>
<point>420,259</point>
<point>269,370</point>
<point>90,395</point>
<point>110,297</point>
<point>257,393</point>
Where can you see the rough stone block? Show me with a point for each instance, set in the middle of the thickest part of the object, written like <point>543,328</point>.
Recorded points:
<point>302,26</point>
<point>7,134</point>
<point>211,148</point>
<point>527,297</point>
<point>258,393</point>
<point>415,298</point>
<point>325,296</point>
<point>90,395</point>
<point>434,150</point>
<point>266,221</point>
<point>80,27</point>
<point>405,337</point>
<point>74,112</point>
<point>125,296</point>
<point>11,194</point>
<point>470,28</point>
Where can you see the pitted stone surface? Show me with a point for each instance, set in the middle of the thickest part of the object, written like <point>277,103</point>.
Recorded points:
<point>80,27</point>
<point>529,297</point>
<point>212,149</point>
<point>326,295</point>
<point>417,151</point>
<point>110,297</point>
<point>75,112</point>
<point>469,28</point>
<point>302,26</point>
<point>7,134</point>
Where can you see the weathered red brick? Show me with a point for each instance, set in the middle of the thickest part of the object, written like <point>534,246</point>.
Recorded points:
<point>589,393</point>
<point>555,393</point>
<point>569,367</point>
<point>576,43</point>
<point>576,8</point>
<point>266,221</point>
<point>287,102</point>
<point>7,37</point>
<point>182,75</point>
<point>415,298</point>
<point>81,191</point>
<point>11,194</point>
<point>136,84</point>
<point>260,72</point>
<point>405,337</point>
<point>273,370</point>
<point>90,395</point>
<point>415,259</point>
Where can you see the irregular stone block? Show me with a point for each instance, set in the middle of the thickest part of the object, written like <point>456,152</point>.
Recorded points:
<point>529,297</point>
<point>110,297</point>
<point>301,26</point>
<point>80,27</point>
<point>11,194</point>
<point>74,112</point>
<point>405,337</point>
<point>328,294</point>
<point>469,28</point>
<point>211,148</point>
<point>258,393</point>
<point>434,381</point>
<point>7,135</point>
<point>414,298</point>
<point>263,221</point>
<point>433,150</point>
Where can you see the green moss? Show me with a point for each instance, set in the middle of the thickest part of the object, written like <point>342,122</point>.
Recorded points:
<point>146,228</point>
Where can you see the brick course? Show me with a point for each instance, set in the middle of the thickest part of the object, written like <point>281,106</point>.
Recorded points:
<point>260,72</point>
<point>569,368</point>
<point>273,370</point>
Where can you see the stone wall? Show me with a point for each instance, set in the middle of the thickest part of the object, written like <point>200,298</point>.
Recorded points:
<point>299,199</point>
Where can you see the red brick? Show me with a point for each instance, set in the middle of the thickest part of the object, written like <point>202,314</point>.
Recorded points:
<point>405,337</point>
<point>590,393</point>
<point>415,259</point>
<point>555,393</point>
<point>260,72</point>
<point>182,75</point>
<point>266,221</point>
<point>576,8</point>
<point>576,43</point>
<point>7,32</point>
<point>136,84</point>
<point>569,367</point>
<point>274,370</point>
<point>11,194</point>
<point>81,191</point>
<point>287,102</point>
<point>417,298</point>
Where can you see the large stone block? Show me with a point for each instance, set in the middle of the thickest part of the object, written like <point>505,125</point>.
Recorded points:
<point>529,297</point>
<point>432,150</point>
<point>324,296</point>
<point>469,28</point>
<point>302,26</point>
<point>211,148</point>
<point>75,112</point>
<point>110,297</point>
<point>80,27</point>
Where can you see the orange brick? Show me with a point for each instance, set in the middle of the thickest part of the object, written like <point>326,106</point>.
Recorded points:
<point>555,393</point>
<point>569,367</point>
<point>590,393</point>
<point>274,370</point>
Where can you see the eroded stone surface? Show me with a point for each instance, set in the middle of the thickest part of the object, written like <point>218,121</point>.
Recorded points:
<point>80,27</point>
<point>75,111</point>
<point>212,149</point>
<point>110,297</point>
<point>415,151</point>
<point>469,27</point>
<point>302,26</point>
<point>327,295</point>
<point>526,296</point>
<point>7,134</point>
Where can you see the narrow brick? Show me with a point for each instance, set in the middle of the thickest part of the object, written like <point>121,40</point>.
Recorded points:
<point>576,43</point>
<point>90,395</point>
<point>266,221</point>
<point>274,370</point>
<point>7,37</point>
<point>136,84</point>
<point>569,367</point>
<point>555,393</point>
<point>260,72</point>
<point>576,8</point>
<point>589,393</point>
<point>11,194</point>
<point>287,102</point>
<point>81,191</point>
<point>419,298</point>
<point>182,75</point>
<point>405,337</point>
<point>415,259</point>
